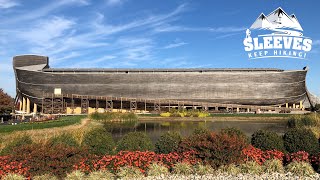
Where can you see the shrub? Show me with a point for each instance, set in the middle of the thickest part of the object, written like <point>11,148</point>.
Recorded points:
<point>44,177</point>
<point>129,172</point>
<point>64,138</point>
<point>141,160</point>
<point>298,121</point>
<point>156,169</point>
<point>231,169</point>
<point>11,166</point>
<point>235,132</point>
<point>75,175</point>
<point>300,140</point>
<point>273,165</point>
<point>13,177</point>
<point>166,114</point>
<point>267,140</point>
<point>99,142</point>
<point>297,156</point>
<point>201,169</point>
<point>168,142</point>
<point>135,141</point>
<point>113,116</point>
<point>251,167</point>
<point>16,143</point>
<point>201,130</point>
<point>182,168</point>
<point>315,162</point>
<point>300,168</point>
<point>100,175</point>
<point>255,154</point>
<point>41,159</point>
<point>215,149</point>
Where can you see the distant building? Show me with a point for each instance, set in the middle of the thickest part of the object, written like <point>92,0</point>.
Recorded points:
<point>39,88</point>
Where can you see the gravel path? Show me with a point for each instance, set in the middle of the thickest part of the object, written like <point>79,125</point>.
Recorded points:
<point>274,176</point>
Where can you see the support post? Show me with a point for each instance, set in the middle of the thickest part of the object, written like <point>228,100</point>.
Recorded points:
<point>145,105</point>
<point>121,104</point>
<point>109,105</point>
<point>157,106</point>
<point>20,106</point>
<point>28,106</point>
<point>35,108</point>
<point>24,103</point>
<point>133,105</point>
<point>301,105</point>
<point>287,105</point>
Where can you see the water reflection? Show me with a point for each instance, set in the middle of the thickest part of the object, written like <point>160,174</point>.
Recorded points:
<point>156,128</point>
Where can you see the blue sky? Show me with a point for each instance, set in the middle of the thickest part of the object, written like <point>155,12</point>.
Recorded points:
<point>146,34</point>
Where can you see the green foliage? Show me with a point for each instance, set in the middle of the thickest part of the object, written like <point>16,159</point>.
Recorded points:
<point>300,168</point>
<point>128,172</point>
<point>235,132</point>
<point>185,113</point>
<point>16,143</point>
<point>156,169</point>
<point>250,167</point>
<point>182,168</point>
<point>6,102</point>
<point>135,141</point>
<point>298,121</point>
<point>267,140</point>
<point>75,175</point>
<point>168,142</point>
<point>101,175</point>
<point>201,169</point>
<point>215,149</point>
<point>301,140</point>
<point>13,177</point>
<point>316,108</point>
<point>273,165</point>
<point>166,114</point>
<point>64,138</point>
<point>201,130</point>
<point>113,116</point>
<point>99,142</point>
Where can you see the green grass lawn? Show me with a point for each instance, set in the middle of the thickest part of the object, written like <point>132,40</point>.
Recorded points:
<point>63,121</point>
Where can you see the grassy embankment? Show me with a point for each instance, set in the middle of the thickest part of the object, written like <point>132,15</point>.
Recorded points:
<point>61,122</point>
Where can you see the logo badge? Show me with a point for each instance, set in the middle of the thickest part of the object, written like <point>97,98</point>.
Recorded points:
<point>276,35</point>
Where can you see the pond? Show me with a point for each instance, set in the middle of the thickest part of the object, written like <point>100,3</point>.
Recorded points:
<point>154,129</point>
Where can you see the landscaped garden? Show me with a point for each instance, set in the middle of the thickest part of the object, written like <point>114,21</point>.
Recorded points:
<point>92,153</point>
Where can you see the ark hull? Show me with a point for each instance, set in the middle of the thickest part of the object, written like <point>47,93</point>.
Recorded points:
<point>228,86</point>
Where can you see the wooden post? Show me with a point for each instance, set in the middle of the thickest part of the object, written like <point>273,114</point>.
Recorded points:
<point>287,105</point>
<point>301,105</point>
<point>24,103</point>
<point>20,106</point>
<point>121,104</point>
<point>35,109</point>
<point>145,105</point>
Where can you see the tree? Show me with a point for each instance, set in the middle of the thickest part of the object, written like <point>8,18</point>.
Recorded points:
<point>6,102</point>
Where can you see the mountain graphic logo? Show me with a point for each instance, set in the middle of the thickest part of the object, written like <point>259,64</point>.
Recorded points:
<point>283,35</point>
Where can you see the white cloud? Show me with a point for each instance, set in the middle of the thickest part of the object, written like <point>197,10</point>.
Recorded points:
<point>5,4</point>
<point>174,45</point>
<point>46,31</point>
<point>169,28</point>
<point>114,2</point>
